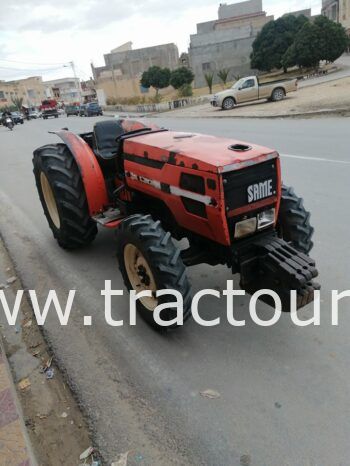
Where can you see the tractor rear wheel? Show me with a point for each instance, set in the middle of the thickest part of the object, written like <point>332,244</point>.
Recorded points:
<point>293,223</point>
<point>63,197</point>
<point>149,260</point>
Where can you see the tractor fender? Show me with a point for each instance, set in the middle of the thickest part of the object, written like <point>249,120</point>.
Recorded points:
<point>90,170</point>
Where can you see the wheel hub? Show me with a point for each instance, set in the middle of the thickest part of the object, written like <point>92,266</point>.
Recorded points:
<point>140,275</point>
<point>50,200</point>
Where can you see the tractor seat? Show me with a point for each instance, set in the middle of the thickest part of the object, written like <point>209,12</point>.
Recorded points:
<point>104,138</point>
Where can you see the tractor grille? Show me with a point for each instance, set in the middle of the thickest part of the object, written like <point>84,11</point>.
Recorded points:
<point>239,185</point>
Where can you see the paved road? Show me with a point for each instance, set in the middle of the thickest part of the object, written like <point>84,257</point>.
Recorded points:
<point>284,390</point>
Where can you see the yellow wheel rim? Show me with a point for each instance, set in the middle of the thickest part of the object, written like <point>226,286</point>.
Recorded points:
<point>50,200</point>
<point>140,275</point>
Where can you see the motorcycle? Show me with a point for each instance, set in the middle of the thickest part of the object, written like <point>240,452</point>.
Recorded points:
<point>9,123</point>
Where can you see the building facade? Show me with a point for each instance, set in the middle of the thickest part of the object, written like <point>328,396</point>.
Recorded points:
<point>121,74</point>
<point>339,11</point>
<point>66,90</point>
<point>31,90</point>
<point>226,42</point>
<point>306,12</point>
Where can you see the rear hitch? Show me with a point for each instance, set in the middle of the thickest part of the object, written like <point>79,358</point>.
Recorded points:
<point>276,265</point>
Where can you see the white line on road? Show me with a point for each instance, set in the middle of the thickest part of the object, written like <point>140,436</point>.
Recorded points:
<point>318,159</point>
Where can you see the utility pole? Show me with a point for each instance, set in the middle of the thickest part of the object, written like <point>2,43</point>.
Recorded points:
<point>77,82</point>
<point>114,81</point>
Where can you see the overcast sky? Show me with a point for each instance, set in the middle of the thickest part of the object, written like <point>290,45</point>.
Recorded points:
<point>37,36</point>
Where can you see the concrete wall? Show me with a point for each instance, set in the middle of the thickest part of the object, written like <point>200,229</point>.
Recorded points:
<point>306,12</point>
<point>123,47</point>
<point>208,26</point>
<point>219,36</point>
<point>344,14</point>
<point>226,42</point>
<point>232,54</point>
<point>125,88</point>
<point>337,10</point>
<point>120,77</point>
<point>331,10</point>
<point>132,63</point>
<point>239,9</point>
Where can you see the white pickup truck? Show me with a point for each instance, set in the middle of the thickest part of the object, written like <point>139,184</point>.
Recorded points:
<point>249,89</point>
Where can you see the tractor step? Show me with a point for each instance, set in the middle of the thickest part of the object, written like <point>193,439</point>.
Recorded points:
<point>108,216</point>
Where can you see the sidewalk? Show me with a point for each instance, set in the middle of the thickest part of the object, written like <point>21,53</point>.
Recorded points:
<point>37,413</point>
<point>15,449</point>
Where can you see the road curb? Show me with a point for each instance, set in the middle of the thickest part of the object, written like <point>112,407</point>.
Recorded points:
<point>326,112</point>
<point>343,111</point>
<point>15,446</point>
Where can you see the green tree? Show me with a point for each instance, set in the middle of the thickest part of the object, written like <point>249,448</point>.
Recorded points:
<point>332,38</point>
<point>289,58</point>
<point>223,75</point>
<point>305,49</point>
<point>273,41</point>
<point>181,76</point>
<point>155,77</point>
<point>209,78</point>
<point>185,90</point>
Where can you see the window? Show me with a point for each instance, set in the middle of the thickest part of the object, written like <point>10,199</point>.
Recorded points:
<point>2,95</point>
<point>249,83</point>
<point>206,67</point>
<point>334,12</point>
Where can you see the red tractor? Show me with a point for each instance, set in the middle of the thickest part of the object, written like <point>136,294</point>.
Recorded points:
<point>154,185</point>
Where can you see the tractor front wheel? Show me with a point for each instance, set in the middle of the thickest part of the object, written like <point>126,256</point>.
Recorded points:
<point>293,223</point>
<point>149,260</point>
<point>63,197</point>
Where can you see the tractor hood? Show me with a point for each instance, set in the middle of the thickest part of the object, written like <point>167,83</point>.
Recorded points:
<point>197,151</point>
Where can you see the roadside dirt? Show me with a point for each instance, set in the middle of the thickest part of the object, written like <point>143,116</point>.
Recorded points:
<point>55,425</point>
<point>333,95</point>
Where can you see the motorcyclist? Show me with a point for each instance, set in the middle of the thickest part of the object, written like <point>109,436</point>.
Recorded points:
<point>6,114</point>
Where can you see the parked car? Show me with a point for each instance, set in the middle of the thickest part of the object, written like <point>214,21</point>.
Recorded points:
<point>72,110</point>
<point>249,89</point>
<point>33,114</point>
<point>82,110</point>
<point>17,118</point>
<point>92,108</point>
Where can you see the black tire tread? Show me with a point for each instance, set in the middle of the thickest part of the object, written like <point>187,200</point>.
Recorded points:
<point>77,228</point>
<point>162,255</point>
<point>294,221</point>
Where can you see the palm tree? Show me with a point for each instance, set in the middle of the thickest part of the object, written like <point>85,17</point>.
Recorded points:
<point>209,77</point>
<point>223,75</point>
<point>18,102</point>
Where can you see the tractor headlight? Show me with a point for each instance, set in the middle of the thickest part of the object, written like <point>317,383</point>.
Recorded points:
<point>245,227</point>
<point>266,218</point>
